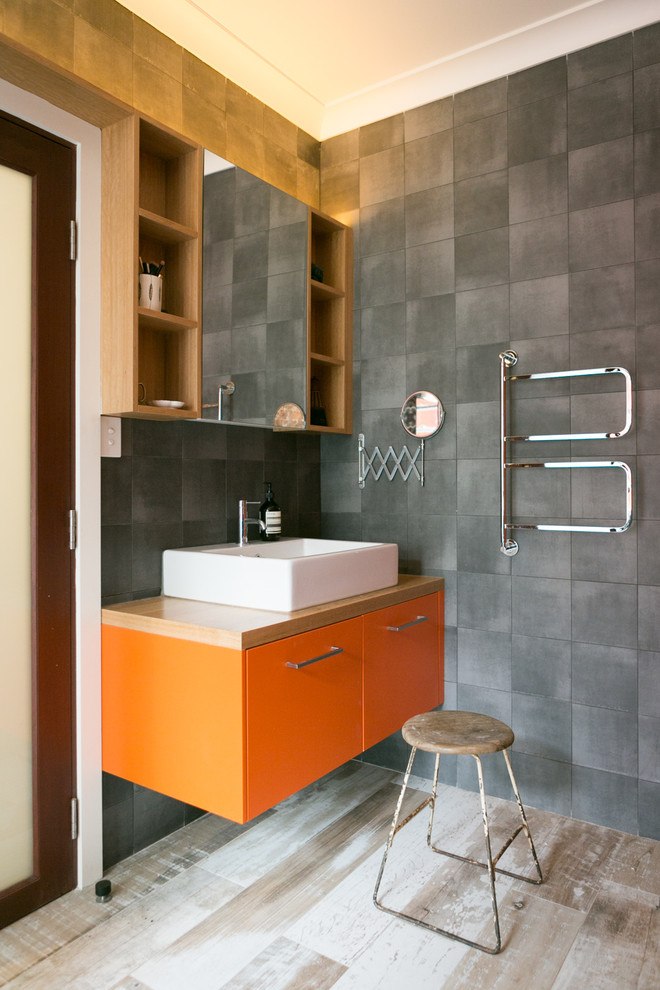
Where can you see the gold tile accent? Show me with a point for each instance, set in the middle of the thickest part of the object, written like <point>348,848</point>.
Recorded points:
<point>244,107</point>
<point>308,184</point>
<point>245,147</point>
<point>280,131</point>
<point>102,61</point>
<point>204,122</point>
<point>340,188</point>
<point>200,78</point>
<point>109,17</point>
<point>42,25</point>
<point>280,168</point>
<point>309,149</point>
<point>157,94</point>
<point>122,55</point>
<point>152,46</point>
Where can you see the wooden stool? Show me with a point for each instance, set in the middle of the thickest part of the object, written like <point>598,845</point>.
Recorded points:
<point>459,733</point>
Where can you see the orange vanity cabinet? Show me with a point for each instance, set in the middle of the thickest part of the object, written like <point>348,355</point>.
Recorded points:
<point>233,710</point>
<point>403,665</point>
<point>174,717</point>
<point>304,710</point>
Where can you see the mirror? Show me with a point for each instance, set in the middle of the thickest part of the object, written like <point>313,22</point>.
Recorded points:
<point>422,414</point>
<point>254,297</point>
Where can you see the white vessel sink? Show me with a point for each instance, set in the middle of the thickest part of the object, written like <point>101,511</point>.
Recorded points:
<point>280,577</point>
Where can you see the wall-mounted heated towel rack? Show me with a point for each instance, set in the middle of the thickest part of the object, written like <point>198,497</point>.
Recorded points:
<point>508,359</point>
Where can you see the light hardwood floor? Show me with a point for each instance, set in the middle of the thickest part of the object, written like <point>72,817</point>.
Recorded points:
<point>284,903</point>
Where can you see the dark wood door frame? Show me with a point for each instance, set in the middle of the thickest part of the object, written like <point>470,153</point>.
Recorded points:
<point>51,162</point>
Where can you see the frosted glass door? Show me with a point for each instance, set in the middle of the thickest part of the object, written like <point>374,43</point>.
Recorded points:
<point>16,839</point>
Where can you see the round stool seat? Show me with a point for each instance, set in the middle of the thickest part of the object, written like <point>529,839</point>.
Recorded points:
<point>457,732</point>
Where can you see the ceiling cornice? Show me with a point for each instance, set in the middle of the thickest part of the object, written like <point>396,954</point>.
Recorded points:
<point>186,23</point>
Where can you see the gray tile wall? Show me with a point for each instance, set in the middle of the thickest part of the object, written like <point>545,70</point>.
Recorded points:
<point>524,213</point>
<point>178,484</point>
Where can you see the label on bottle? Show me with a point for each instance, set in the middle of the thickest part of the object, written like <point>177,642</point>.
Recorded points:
<point>273,522</point>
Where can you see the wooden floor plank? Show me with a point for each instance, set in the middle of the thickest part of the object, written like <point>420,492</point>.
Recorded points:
<point>302,918</point>
<point>296,820</point>
<point>537,935</point>
<point>636,863</point>
<point>575,859</point>
<point>226,941</point>
<point>403,957</point>
<point>99,959</point>
<point>285,965</point>
<point>611,945</point>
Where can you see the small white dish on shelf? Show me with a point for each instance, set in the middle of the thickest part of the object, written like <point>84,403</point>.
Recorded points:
<point>167,403</point>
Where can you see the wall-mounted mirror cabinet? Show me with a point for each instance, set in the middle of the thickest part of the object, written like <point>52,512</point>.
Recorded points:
<point>256,324</point>
<point>277,305</point>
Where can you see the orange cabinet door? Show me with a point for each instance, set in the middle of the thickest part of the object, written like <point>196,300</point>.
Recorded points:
<point>173,718</point>
<point>304,710</point>
<point>403,664</point>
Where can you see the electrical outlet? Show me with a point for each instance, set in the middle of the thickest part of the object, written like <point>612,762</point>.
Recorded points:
<point>110,436</point>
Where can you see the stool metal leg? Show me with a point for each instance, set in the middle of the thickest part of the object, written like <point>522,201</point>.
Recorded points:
<point>489,860</point>
<point>523,816</point>
<point>489,865</point>
<point>434,797</point>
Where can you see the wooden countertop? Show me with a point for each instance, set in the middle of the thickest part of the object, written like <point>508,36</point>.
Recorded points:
<point>242,628</point>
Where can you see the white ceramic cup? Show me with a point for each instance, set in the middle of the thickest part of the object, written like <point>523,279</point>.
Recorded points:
<point>150,292</point>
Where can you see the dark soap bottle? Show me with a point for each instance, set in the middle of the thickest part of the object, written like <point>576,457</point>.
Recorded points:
<point>271,516</point>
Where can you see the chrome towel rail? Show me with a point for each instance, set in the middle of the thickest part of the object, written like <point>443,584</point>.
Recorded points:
<point>509,359</point>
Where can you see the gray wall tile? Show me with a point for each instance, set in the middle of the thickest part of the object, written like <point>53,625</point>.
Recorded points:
<point>649,684</point>
<point>543,783</point>
<point>537,130</point>
<point>609,58</point>
<point>600,173</point>
<point>600,111</point>
<point>605,677</point>
<point>482,202</point>
<point>538,189</point>
<point>602,235</point>
<point>605,739</point>
<point>541,667</point>
<point>604,798</point>
<point>542,726</point>
<point>480,146</point>
<point>484,601</point>
<point>482,258</point>
<point>605,613</point>
<point>541,607</point>
<point>539,307</point>
<point>539,248</point>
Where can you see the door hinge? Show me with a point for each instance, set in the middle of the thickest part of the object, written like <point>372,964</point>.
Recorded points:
<point>73,241</point>
<point>73,529</point>
<point>74,818</point>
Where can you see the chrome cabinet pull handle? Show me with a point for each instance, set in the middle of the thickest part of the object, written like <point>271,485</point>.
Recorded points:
<point>334,650</point>
<point>407,625</point>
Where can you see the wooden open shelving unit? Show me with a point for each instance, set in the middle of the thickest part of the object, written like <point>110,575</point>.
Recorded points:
<point>330,323</point>
<point>152,208</point>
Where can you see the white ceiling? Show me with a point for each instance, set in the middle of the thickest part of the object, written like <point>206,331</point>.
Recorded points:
<point>334,66</point>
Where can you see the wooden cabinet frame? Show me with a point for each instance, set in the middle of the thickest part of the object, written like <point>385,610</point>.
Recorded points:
<point>152,209</point>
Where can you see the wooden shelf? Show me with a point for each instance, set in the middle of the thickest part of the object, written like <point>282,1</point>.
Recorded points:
<point>325,359</point>
<point>163,321</point>
<point>321,290</point>
<point>169,231</point>
<point>152,209</point>
<point>330,327</point>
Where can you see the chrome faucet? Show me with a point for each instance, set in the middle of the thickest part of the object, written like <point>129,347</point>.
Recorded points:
<point>244,521</point>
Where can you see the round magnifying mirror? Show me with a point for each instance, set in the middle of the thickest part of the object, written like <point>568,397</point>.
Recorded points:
<point>422,414</point>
